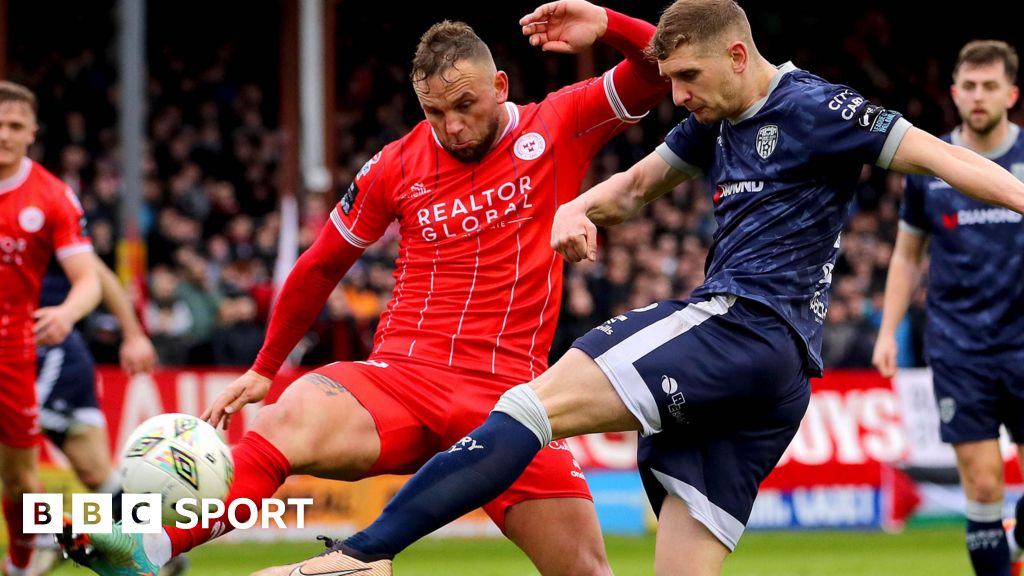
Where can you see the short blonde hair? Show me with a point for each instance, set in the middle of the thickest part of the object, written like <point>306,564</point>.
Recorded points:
<point>13,92</point>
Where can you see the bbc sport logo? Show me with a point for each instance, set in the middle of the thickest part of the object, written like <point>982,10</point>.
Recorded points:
<point>143,513</point>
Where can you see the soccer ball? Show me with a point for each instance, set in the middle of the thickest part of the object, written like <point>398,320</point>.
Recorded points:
<point>177,456</point>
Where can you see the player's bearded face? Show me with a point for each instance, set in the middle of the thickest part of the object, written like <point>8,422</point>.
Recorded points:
<point>463,105</point>
<point>17,132</point>
<point>983,94</point>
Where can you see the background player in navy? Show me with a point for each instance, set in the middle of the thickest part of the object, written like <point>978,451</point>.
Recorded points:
<point>717,384</point>
<point>69,412</point>
<point>975,333</point>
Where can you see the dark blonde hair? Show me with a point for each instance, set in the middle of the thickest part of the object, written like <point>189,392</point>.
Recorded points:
<point>12,92</point>
<point>444,44</point>
<point>980,52</point>
<point>697,22</point>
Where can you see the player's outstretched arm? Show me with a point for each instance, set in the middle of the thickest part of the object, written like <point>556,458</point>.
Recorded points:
<point>137,354</point>
<point>53,323</point>
<point>905,270</point>
<point>566,26</point>
<point>620,197</point>
<point>922,153</point>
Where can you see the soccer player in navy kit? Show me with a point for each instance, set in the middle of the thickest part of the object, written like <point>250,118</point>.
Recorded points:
<point>717,384</point>
<point>975,332</point>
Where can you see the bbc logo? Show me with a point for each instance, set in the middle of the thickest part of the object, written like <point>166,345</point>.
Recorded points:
<point>91,513</point>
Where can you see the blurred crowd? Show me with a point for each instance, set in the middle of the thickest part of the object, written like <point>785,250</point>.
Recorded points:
<point>210,214</point>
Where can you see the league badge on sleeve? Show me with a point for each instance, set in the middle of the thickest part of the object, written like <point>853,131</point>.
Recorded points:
<point>349,199</point>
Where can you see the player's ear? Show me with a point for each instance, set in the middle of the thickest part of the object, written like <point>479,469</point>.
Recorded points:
<point>500,86</point>
<point>739,54</point>
<point>1014,95</point>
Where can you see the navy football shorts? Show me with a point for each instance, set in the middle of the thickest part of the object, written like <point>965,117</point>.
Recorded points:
<point>66,388</point>
<point>720,387</point>
<point>974,397</point>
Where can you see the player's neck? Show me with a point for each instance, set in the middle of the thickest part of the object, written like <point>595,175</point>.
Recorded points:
<point>758,83</point>
<point>503,120</point>
<point>985,142</point>
<point>8,171</point>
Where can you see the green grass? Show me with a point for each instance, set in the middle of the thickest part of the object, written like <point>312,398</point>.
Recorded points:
<point>916,552</point>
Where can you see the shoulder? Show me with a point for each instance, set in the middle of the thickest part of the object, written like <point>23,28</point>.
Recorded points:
<point>51,188</point>
<point>45,180</point>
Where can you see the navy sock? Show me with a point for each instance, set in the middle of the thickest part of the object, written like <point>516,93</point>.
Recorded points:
<point>987,547</point>
<point>474,471</point>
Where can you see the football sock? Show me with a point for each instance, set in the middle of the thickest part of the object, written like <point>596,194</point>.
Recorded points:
<point>260,469</point>
<point>986,540</point>
<point>19,549</point>
<point>468,475</point>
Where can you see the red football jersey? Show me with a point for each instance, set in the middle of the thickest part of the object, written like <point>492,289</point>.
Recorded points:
<point>477,284</point>
<point>39,217</point>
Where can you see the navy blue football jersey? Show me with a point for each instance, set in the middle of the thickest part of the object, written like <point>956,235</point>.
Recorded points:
<point>784,174</point>
<point>976,270</point>
<point>55,286</point>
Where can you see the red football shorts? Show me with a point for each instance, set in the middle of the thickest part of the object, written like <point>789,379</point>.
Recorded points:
<point>19,414</point>
<point>422,409</point>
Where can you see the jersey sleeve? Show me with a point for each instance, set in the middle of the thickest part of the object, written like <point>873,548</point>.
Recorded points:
<point>690,146</point>
<point>913,218</point>
<point>366,208</point>
<point>69,231</point>
<point>843,123</point>
<point>597,109</point>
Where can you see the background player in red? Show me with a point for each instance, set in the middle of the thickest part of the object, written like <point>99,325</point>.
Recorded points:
<point>474,189</point>
<point>39,218</point>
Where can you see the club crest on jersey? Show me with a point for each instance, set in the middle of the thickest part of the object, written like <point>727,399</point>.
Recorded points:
<point>767,138</point>
<point>529,146</point>
<point>31,219</point>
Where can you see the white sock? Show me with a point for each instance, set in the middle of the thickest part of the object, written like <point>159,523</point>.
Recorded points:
<point>157,547</point>
<point>1014,546</point>
<point>12,570</point>
<point>111,485</point>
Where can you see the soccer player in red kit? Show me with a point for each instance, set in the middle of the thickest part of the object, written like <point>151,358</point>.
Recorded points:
<point>474,188</point>
<point>39,218</point>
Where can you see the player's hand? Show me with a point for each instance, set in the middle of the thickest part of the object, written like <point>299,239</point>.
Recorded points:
<point>884,356</point>
<point>137,355</point>
<point>566,26</point>
<point>573,235</point>
<point>247,388</point>
<point>52,325</point>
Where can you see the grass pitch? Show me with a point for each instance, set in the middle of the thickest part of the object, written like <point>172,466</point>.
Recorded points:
<point>922,551</point>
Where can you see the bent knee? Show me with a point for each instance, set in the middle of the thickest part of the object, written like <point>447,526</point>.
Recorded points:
<point>589,561</point>
<point>282,425</point>
<point>319,432</point>
<point>983,486</point>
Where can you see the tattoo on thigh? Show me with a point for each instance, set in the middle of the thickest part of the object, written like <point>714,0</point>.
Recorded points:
<point>326,385</point>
